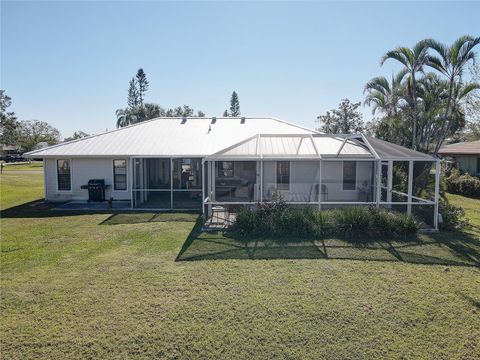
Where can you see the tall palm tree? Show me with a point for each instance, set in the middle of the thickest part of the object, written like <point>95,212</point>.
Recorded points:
<point>384,96</point>
<point>414,60</point>
<point>451,62</point>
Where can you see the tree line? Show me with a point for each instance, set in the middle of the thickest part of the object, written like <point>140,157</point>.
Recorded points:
<point>137,110</point>
<point>427,102</point>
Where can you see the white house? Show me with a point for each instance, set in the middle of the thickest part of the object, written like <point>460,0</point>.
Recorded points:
<point>196,163</point>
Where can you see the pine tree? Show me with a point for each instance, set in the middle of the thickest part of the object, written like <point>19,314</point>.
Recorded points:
<point>133,96</point>
<point>225,113</point>
<point>234,105</point>
<point>142,85</point>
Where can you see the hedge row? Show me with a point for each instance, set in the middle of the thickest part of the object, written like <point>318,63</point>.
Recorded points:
<point>278,221</point>
<point>462,184</point>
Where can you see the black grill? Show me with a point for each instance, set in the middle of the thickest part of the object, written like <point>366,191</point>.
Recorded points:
<point>96,189</point>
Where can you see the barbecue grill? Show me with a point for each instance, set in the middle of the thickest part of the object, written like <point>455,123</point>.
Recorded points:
<point>96,189</point>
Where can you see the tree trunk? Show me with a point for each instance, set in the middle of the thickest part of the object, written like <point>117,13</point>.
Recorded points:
<point>446,124</point>
<point>415,114</point>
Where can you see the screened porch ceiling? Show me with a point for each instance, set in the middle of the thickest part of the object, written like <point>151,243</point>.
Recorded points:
<point>315,146</point>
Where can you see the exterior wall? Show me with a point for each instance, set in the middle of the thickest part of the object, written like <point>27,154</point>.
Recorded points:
<point>332,177</point>
<point>304,175</point>
<point>82,170</point>
<point>467,163</point>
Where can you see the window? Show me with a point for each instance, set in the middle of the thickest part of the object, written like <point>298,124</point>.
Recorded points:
<point>63,175</point>
<point>225,169</point>
<point>349,175</point>
<point>478,166</point>
<point>120,174</point>
<point>283,175</point>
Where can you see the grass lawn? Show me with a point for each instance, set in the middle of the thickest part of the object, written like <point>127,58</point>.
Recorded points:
<point>33,166</point>
<point>139,285</point>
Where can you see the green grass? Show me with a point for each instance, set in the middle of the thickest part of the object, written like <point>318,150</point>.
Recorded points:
<point>143,285</point>
<point>36,166</point>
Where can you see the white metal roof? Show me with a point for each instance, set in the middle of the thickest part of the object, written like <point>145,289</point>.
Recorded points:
<point>294,145</point>
<point>171,137</point>
<point>227,138</point>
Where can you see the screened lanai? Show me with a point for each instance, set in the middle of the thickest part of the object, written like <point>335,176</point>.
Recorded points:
<point>324,171</point>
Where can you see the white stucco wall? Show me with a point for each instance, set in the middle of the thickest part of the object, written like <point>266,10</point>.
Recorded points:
<point>83,170</point>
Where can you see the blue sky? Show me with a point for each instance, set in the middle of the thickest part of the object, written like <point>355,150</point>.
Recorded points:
<point>69,63</point>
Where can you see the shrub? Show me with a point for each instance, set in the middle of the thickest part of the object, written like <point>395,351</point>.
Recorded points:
<point>281,222</point>
<point>453,217</point>
<point>462,184</point>
<point>352,222</point>
<point>245,222</point>
<point>469,185</point>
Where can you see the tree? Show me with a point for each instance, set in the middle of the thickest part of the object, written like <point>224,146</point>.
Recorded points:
<point>234,105</point>
<point>451,62</point>
<point>76,135</point>
<point>385,96</point>
<point>142,85</point>
<point>133,95</point>
<point>344,120</point>
<point>32,132</point>
<point>225,113</point>
<point>472,103</point>
<point>8,121</point>
<point>137,110</point>
<point>414,60</point>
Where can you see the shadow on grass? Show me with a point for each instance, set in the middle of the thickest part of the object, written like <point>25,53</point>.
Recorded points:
<point>40,209</point>
<point>441,249</point>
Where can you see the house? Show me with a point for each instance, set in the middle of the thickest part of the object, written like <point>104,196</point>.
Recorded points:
<point>200,163</point>
<point>465,156</point>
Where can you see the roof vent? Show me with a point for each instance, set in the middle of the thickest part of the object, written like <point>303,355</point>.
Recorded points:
<point>242,120</point>
<point>184,120</point>
<point>214,120</point>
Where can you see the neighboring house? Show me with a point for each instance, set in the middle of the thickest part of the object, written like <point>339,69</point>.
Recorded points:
<point>465,155</point>
<point>197,163</point>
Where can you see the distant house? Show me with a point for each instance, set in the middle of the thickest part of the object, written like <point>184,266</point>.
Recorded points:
<point>465,155</point>
<point>203,163</point>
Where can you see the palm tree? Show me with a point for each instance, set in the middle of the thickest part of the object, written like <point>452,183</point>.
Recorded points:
<point>384,96</point>
<point>414,60</point>
<point>451,62</point>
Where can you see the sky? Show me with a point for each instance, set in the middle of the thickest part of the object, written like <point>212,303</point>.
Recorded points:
<point>69,63</point>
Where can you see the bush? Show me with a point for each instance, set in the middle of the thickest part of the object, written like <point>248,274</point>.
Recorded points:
<point>453,217</point>
<point>352,222</point>
<point>280,222</point>
<point>465,184</point>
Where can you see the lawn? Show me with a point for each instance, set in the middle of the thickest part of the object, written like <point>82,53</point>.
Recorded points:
<point>140,285</point>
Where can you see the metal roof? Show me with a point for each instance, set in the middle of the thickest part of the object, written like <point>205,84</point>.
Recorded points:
<point>171,137</point>
<point>227,138</point>
<point>462,148</point>
<point>295,145</point>
<point>390,151</point>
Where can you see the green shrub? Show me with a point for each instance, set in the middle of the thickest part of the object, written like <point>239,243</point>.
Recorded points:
<point>465,184</point>
<point>278,221</point>
<point>453,217</point>
<point>245,222</point>
<point>352,222</point>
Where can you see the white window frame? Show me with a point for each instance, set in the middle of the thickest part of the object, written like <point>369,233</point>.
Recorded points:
<point>126,175</point>
<point>71,176</point>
